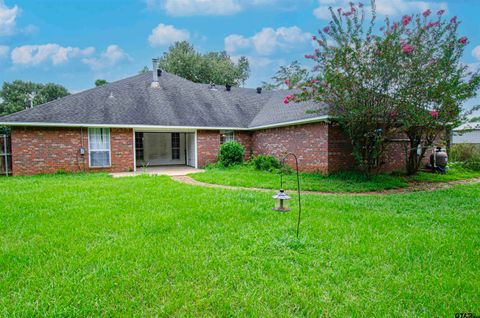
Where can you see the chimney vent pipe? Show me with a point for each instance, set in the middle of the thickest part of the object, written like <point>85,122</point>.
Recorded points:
<point>155,72</point>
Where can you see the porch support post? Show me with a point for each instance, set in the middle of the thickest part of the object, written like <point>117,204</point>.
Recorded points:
<point>134,152</point>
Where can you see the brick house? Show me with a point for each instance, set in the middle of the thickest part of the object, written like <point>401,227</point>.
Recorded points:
<point>158,118</point>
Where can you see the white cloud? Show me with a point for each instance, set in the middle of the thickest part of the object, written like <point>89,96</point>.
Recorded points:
<point>384,7</point>
<point>8,18</point>
<point>108,58</point>
<point>30,55</point>
<point>236,42</point>
<point>167,34</point>
<point>4,51</point>
<point>201,7</point>
<point>218,7</point>
<point>268,40</point>
<point>395,7</point>
<point>476,52</point>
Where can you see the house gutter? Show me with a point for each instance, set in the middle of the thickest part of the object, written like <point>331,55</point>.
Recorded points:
<point>153,127</point>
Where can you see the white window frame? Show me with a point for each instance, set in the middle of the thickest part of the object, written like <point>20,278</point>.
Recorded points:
<point>223,132</point>
<point>102,150</point>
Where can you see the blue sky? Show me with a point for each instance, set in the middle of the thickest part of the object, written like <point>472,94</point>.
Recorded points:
<point>75,42</point>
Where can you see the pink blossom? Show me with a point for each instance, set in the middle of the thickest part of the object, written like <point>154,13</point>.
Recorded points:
<point>326,29</point>
<point>288,98</point>
<point>426,13</point>
<point>314,81</point>
<point>287,82</point>
<point>432,24</point>
<point>440,12</point>
<point>395,26</point>
<point>308,56</point>
<point>406,20</point>
<point>407,48</point>
<point>347,14</point>
<point>453,20</point>
<point>463,40</point>
<point>434,113</point>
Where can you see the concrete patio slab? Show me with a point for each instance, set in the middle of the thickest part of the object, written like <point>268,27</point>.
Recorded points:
<point>175,170</point>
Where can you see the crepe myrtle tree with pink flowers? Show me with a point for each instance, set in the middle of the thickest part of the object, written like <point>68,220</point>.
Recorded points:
<point>404,78</point>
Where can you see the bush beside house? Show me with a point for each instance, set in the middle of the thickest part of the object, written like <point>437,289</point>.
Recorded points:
<point>231,153</point>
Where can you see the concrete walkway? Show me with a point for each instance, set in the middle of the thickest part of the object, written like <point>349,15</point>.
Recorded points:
<point>175,170</point>
<point>412,187</point>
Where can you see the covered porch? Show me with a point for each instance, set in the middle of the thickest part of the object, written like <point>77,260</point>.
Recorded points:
<point>174,170</point>
<point>156,149</point>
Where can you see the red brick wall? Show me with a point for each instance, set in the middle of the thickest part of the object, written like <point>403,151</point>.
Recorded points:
<point>208,143</point>
<point>245,138</point>
<point>309,142</point>
<point>393,158</point>
<point>47,150</point>
<point>340,156</point>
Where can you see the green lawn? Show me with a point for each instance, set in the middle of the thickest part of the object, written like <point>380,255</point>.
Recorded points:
<point>247,176</point>
<point>90,245</point>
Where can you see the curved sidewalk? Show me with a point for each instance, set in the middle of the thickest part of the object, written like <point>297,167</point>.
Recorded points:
<point>413,187</point>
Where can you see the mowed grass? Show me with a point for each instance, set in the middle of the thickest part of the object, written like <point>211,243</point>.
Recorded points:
<point>247,176</point>
<point>90,245</point>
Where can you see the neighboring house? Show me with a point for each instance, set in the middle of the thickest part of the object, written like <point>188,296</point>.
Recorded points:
<point>468,133</point>
<point>161,119</point>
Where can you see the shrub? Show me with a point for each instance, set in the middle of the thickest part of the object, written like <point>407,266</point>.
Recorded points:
<point>466,154</point>
<point>231,153</point>
<point>266,163</point>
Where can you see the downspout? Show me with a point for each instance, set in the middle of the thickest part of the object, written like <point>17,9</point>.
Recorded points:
<point>82,149</point>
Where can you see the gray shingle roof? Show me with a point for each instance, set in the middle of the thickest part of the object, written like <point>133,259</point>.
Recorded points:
<point>177,102</point>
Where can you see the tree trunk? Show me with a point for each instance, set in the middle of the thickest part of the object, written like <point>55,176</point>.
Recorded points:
<point>448,138</point>
<point>414,160</point>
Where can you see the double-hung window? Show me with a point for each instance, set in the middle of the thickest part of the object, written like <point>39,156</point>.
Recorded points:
<point>226,135</point>
<point>99,147</point>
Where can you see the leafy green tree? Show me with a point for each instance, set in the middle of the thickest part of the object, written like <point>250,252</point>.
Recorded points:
<point>406,79</point>
<point>474,119</point>
<point>287,77</point>
<point>214,67</point>
<point>100,82</point>
<point>16,96</point>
